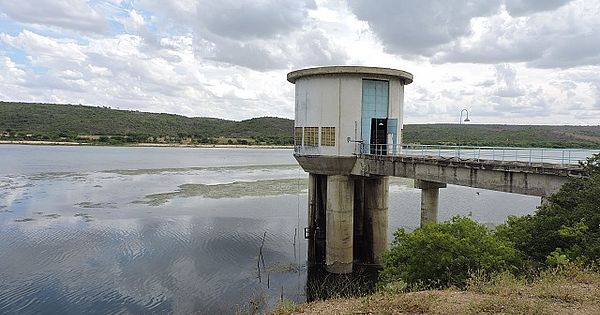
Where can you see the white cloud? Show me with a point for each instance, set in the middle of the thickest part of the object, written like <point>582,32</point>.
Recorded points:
<point>75,15</point>
<point>507,61</point>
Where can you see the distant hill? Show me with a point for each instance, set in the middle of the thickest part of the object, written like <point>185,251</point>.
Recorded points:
<point>51,121</point>
<point>71,122</point>
<point>504,135</point>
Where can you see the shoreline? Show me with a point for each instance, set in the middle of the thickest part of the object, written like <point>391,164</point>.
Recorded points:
<point>148,145</point>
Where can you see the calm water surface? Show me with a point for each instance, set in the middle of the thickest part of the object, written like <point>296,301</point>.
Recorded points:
<point>171,230</point>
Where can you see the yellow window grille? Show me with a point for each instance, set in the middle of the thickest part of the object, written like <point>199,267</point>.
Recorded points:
<point>311,136</point>
<point>328,136</point>
<point>298,136</point>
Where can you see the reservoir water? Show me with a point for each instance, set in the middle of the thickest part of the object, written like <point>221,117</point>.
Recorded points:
<point>112,230</point>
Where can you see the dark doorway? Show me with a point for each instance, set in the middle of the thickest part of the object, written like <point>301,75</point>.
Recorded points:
<point>379,136</point>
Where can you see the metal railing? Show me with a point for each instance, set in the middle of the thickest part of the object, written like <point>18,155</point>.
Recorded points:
<point>502,154</point>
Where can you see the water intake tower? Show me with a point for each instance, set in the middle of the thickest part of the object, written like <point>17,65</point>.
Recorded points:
<point>341,112</point>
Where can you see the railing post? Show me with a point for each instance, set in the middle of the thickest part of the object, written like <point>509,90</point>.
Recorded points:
<point>542,156</point>
<point>530,152</point>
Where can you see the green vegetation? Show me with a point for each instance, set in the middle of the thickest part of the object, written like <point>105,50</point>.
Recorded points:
<point>504,135</point>
<point>443,255</point>
<point>103,125</point>
<point>545,263</point>
<point>567,228</point>
<point>564,230</point>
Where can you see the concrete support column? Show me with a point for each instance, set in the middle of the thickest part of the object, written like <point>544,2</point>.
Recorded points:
<point>312,210</point>
<point>430,192</point>
<point>339,218</point>
<point>376,211</point>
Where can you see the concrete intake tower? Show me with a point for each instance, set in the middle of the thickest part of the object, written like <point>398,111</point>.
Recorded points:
<point>340,112</point>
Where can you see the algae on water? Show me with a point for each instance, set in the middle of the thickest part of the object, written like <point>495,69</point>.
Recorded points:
<point>272,187</point>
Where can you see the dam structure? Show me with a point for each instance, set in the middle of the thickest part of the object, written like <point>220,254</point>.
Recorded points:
<point>348,137</point>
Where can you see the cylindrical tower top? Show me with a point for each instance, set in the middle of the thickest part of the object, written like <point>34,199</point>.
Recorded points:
<point>403,76</point>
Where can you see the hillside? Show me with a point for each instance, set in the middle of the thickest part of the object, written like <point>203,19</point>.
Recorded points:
<point>572,290</point>
<point>52,121</point>
<point>504,135</point>
<point>28,121</point>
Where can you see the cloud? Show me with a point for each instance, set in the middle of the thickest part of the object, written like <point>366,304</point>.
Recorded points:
<point>75,15</point>
<point>525,7</point>
<point>506,61</point>
<point>506,82</point>
<point>415,27</point>
<point>559,39</point>
<point>239,20</point>
<point>545,34</point>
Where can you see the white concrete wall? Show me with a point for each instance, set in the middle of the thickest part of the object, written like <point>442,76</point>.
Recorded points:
<point>336,101</point>
<point>351,104</point>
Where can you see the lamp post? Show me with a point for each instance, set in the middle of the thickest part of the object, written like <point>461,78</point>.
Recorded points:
<point>460,121</point>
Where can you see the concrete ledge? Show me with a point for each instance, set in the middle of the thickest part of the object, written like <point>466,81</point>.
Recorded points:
<point>326,165</point>
<point>425,184</point>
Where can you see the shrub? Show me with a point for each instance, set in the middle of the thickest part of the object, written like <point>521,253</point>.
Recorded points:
<point>565,229</point>
<point>445,254</point>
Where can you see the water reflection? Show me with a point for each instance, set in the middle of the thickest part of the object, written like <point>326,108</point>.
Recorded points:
<point>150,265</point>
<point>74,237</point>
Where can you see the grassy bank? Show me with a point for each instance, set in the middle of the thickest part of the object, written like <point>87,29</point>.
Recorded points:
<point>566,290</point>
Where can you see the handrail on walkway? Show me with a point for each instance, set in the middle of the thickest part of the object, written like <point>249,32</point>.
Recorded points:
<point>503,154</point>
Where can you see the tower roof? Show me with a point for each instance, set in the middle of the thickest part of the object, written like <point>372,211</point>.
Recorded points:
<point>406,77</point>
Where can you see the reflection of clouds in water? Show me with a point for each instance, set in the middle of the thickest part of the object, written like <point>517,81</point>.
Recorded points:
<point>188,264</point>
<point>181,264</point>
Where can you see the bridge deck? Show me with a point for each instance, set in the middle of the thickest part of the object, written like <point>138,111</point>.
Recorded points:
<point>538,179</point>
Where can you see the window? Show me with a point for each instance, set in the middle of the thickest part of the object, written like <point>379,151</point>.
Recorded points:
<point>298,136</point>
<point>311,136</point>
<point>328,136</point>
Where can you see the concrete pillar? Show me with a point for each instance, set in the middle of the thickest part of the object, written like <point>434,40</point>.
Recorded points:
<point>339,218</point>
<point>312,210</point>
<point>376,211</point>
<point>359,219</point>
<point>430,192</point>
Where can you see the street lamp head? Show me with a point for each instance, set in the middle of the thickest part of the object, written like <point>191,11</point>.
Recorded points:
<point>464,110</point>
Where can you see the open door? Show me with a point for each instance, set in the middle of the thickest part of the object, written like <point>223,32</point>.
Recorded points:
<point>379,136</point>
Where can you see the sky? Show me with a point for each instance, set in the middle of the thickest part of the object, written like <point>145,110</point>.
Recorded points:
<point>505,61</point>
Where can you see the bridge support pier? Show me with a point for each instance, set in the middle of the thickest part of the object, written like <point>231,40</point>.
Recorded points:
<point>376,215</point>
<point>347,220</point>
<point>312,212</point>
<point>430,192</point>
<point>340,224</point>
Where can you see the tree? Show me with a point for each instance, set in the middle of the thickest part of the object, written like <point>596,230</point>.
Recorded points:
<point>445,254</point>
<point>567,228</point>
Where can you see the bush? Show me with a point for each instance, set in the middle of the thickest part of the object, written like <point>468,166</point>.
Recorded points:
<point>445,254</point>
<point>565,229</point>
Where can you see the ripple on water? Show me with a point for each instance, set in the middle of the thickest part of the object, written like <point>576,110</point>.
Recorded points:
<point>150,265</point>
